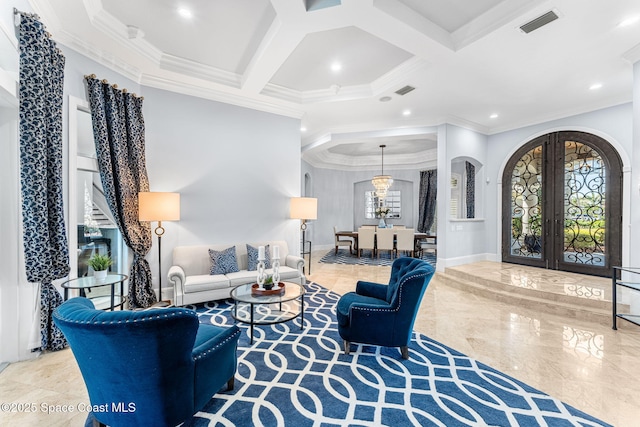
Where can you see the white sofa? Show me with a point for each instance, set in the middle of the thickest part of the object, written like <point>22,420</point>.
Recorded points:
<point>193,283</point>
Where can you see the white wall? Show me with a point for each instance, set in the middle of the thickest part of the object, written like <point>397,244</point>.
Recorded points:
<point>460,240</point>
<point>235,170</point>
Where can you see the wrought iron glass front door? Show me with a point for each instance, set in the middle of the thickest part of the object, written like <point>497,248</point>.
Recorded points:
<point>562,204</point>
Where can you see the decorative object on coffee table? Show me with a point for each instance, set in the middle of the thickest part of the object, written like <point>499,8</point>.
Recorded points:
<point>262,277</point>
<point>275,265</point>
<point>278,289</point>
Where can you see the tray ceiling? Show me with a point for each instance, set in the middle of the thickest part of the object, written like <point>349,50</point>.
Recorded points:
<point>468,60</point>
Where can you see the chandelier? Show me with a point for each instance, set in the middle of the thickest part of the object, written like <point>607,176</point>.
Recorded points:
<point>382,182</point>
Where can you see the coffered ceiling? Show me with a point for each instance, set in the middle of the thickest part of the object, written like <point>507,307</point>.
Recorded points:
<point>468,60</point>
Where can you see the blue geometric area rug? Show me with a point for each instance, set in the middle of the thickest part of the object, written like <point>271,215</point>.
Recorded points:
<point>301,377</point>
<point>344,257</point>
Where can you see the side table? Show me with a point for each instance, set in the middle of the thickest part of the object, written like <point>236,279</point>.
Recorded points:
<point>101,302</point>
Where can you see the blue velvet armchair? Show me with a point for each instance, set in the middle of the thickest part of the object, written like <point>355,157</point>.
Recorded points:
<point>384,315</point>
<point>153,367</point>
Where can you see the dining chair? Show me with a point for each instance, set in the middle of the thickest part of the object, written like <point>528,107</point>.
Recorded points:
<point>384,242</point>
<point>405,241</point>
<point>366,240</point>
<point>341,242</point>
<point>429,244</point>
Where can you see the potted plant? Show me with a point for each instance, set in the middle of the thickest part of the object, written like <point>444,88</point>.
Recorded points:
<point>100,264</point>
<point>268,283</point>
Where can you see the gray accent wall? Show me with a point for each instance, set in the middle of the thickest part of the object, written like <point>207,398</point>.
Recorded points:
<point>235,169</point>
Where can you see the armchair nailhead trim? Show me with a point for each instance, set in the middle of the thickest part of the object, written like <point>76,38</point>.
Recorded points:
<point>386,309</point>
<point>229,338</point>
<point>143,319</point>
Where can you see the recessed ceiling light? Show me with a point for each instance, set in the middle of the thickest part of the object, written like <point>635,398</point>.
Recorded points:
<point>406,113</point>
<point>629,21</point>
<point>336,66</point>
<point>493,116</point>
<point>385,99</point>
<point>185,13</point>
<point>303,129</point>
<point>595,86</point>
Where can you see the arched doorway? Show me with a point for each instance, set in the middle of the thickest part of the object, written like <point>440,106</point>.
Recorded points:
<point>562,204</point>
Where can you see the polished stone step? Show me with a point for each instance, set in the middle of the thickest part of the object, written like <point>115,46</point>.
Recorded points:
<point>565,294</point>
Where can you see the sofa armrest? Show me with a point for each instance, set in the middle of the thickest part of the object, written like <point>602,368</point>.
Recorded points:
<point>177,277</point>
<point>295,262</point>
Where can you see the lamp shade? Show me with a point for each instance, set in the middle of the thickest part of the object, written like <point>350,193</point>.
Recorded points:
<point>156,206</point>
<point>304,208</point>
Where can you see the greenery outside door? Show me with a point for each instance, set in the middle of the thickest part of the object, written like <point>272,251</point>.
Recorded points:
<point>562,204</point>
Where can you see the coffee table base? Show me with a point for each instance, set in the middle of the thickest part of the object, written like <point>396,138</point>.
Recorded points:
<point>268,310</point>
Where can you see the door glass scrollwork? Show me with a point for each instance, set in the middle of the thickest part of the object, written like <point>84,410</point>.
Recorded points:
<point>526,205</point>
<point>584,205</point>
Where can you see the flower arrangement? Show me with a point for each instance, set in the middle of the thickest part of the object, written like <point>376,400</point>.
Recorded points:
<point>382,211</point>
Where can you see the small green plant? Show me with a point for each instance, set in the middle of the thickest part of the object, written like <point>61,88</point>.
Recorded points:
<point>100,262</point>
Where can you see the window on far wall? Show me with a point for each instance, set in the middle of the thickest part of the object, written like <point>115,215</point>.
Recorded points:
<point>393,201</point>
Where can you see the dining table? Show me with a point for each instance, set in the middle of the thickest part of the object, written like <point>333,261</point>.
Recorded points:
<point>417,237</point>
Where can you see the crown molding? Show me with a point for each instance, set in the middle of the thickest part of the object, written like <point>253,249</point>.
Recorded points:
<point>113,28</point>
<point>564,115</point>
<point>413,161</point>
<point>90,51</point>
<point>398,76</point>
<point>218,95</point>
<point>199,70</point>
<point>633,54</point>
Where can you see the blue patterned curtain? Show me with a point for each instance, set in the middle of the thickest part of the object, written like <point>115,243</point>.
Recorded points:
<point>427,200</point>
<point>471,190</point>
<point>46,251</point>
<point>118,130</point>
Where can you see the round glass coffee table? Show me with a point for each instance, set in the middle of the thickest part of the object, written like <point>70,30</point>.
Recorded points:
<point>268,309</point>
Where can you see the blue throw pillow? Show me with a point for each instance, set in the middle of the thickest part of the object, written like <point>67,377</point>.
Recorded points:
<point>223,262</point>
<point>252,254</point>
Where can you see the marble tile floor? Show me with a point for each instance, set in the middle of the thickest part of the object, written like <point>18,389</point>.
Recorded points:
<point>583,363</point>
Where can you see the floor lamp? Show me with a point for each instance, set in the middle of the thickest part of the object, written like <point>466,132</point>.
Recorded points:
<point>304,208</point>
<point>159,207</point>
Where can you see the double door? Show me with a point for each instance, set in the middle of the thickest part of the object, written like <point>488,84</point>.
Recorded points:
<point>562,204</point>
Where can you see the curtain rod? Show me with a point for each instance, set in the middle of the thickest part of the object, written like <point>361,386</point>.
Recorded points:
<point>16,22</point>
<point>30,15</point>
<point>115,86</point>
